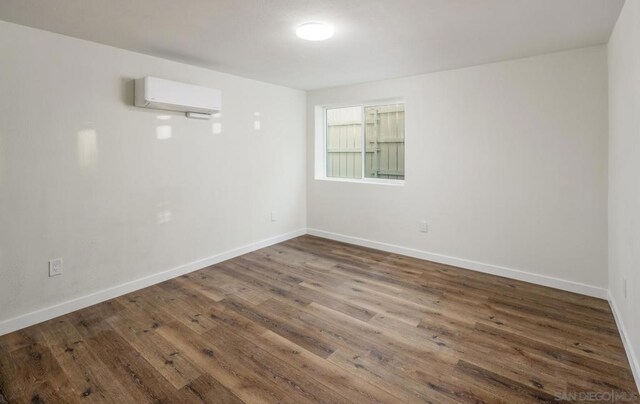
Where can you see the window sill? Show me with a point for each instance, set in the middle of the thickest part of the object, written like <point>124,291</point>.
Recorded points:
<point>372,181</point>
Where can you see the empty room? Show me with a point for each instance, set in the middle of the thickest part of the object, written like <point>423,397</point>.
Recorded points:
<point>330,201</point>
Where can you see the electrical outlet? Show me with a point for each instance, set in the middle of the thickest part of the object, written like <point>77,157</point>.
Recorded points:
<point>274,215</point>
<point>624,287</point>
<point>55,267</point>
<point>423,226</point>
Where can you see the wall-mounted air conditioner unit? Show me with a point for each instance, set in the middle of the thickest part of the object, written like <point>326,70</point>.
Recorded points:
<point>196,101</point>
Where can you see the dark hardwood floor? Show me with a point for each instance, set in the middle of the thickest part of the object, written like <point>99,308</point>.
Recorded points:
<point>312,320</point>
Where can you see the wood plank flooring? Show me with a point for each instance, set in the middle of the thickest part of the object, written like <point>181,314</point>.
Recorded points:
<point>317,321</point>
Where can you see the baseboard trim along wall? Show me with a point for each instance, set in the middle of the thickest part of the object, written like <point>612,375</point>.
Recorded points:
<point>628,347</point>
<point>38,316</point>
<point>48,313</point>
<point>562,284</point>
<point>516,274</point>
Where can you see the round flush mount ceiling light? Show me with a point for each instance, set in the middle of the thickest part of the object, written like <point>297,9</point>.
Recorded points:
<point>314,31</point>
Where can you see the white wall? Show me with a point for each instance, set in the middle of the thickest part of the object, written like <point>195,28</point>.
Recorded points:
<point>624,174</point>
<point>84,176</point>
<point>507,162</point>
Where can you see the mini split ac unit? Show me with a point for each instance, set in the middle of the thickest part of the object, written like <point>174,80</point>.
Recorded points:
<point>196,101</point>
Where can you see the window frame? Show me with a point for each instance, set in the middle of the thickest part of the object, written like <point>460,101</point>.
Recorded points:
<point>322,147</point>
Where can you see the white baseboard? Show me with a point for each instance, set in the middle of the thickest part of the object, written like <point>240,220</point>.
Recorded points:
<point>28,319</point>
<point>47,313</point>
<point>543,280</point>
<point>631,354</point>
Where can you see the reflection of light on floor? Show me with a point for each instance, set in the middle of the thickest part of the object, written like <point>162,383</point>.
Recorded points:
<point>164,117</point>
<point>163,131</point>
<point>87,147</point>
<point>163,213</point>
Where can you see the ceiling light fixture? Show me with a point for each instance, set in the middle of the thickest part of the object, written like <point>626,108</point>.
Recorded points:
<point>314,31</point>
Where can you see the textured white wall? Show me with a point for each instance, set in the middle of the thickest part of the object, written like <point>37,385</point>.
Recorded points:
<point>624,171</point>
<point>506,161</point>
<point>87,177</point>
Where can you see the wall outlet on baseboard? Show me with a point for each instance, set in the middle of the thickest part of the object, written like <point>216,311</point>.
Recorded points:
<point>55,267</point>
<point>423,226</point>
<point>274,215</point>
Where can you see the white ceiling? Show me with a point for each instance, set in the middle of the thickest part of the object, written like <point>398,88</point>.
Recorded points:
<point>375,39</point>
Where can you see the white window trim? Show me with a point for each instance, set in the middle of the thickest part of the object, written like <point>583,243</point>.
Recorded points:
<point>320,146</point>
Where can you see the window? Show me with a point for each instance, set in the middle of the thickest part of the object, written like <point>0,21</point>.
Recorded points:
<point>365,142</point>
